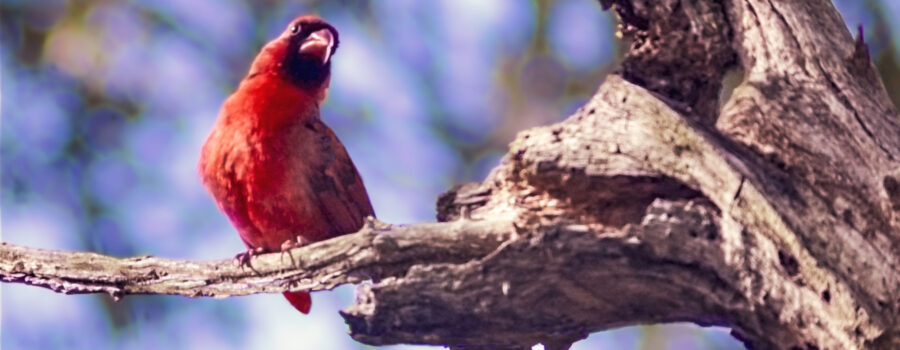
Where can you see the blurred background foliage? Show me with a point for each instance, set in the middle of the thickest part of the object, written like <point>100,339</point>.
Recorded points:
<point>105,105</point>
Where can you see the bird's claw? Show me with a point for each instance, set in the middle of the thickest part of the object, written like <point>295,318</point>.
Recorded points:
<point>287,245</point>
<point>243,258</point>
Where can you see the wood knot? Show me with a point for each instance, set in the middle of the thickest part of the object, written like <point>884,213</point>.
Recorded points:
<point>789,262</point>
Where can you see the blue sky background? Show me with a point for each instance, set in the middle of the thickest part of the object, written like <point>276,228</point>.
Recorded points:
<point>104,106</point>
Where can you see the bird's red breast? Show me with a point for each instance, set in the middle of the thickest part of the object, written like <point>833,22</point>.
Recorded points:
<point>273,167</point>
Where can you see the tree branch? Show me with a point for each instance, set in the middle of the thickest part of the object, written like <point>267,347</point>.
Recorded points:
<point>377,251</point>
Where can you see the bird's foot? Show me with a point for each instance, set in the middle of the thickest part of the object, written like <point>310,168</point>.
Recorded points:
<point>287,245</point>
<point>243,258</point>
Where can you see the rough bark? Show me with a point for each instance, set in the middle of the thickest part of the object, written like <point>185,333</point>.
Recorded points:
<point>772,208</point>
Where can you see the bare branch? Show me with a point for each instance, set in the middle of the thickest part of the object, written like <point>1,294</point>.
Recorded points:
<point>372,253</point>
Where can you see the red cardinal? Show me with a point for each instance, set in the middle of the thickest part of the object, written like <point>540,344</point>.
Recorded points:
<point>278,172</point>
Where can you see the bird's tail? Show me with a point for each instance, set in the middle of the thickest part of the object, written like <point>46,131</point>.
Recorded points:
<point>301,301</point>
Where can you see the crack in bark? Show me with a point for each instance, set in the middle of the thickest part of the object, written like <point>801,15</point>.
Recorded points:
<point>737,194</point>
<point>847,104</point>
<point>790,33</point>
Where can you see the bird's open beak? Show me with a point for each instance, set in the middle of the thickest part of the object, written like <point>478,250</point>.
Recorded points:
<point>319,44</point>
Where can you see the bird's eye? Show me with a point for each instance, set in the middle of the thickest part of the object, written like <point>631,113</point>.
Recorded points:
<point>295,29</point>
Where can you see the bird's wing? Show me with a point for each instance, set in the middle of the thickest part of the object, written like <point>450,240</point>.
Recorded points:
<point>341,195</point>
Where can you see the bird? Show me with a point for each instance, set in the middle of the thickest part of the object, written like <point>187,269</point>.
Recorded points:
<point>279,174</point>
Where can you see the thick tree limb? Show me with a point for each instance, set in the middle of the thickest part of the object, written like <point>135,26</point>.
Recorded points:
<point>798,168</point>
<point>775,211</point>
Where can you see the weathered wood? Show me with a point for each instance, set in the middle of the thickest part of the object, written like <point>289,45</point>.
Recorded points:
<point>799,165</point>
<point>377,251</point>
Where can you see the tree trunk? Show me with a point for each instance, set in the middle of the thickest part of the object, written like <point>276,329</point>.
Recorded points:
<point>772,208</point>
